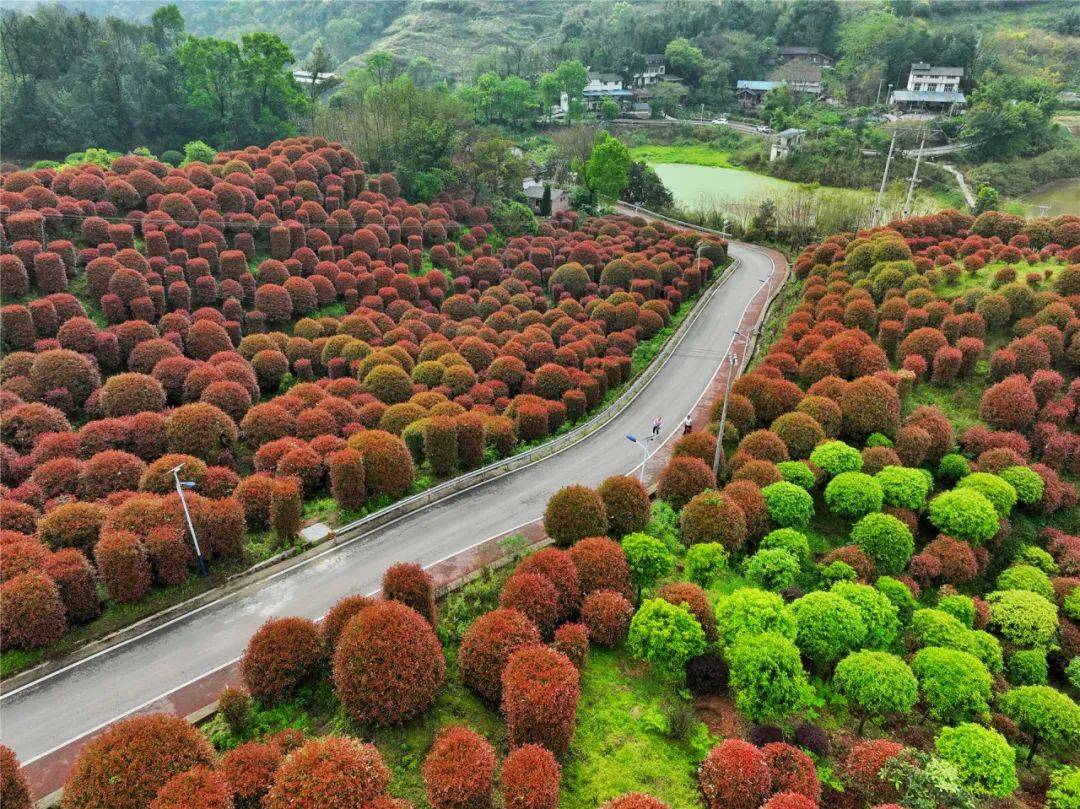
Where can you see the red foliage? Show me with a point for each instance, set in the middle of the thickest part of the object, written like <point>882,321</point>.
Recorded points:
<point>735,775</point>
<point>283,654</point>
<point>33,614</point>
<point>412,586</point>
<point>197,788</point>
<point>1010,404</point>
<point>682,478</point>
<point>557,566</point>
<point>124,564</point>
<point>540,698</point>
<point>861,768</point>
<point>694,599</point>
<point>333,771</point>
<point>530,778</point>
<point>249,769</point>
<point>339,615</point>
<point>627,504</point>
<point>15,792</point>
<point>459,770</point>
<point>573,513</point>
<point>601,565</point>
<point>792,770</point>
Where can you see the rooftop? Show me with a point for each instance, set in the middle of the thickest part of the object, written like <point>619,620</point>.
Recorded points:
<point>605,77</point>
<point>746,84</point>
<point>792,132</point>
<point>931,96</point>
<point>920,68</point>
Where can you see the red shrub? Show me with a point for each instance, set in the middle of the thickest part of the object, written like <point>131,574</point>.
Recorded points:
<point>74,577</point>
<point>286,509</point>
<point>557,566</point>
<point>869,406</point>
<point>283,654</point>
<point>388,467</point>
<point>635,800</point>
<point>255,493</point>
<point>249,770</point>
<point>412,586</point>
<point>388,665</point>
<point>682,478</point>
<point>339,615</point>
<point>860,770</point>
<point>333,771</point>
<point>573,513</point>
<point>573,641</point>
<point>792,770</point>
<point>127,394</point>
<point>735,775</point>
<point>197,788</point>
<point>33,614</point>
<point>110,471</point>
<point>533,595</point>
<point>607,615</point>
<point>124,564</point>
<point>627,504</point>
<point>956,559</point>
<point>747,496</point>
<point>22,554</point>
<point>694,599</point>
<point>15,792</point>
<point>169,555</point>
<point>540,698</point>
<point>201,430</point>
<point>459,770</point>
<point>488,644</point>
<point>125,766</point>
<point>790,800</point>
<point>1010,404</point>
<point>64,370</point>
<point>530,778</point>
<point>601,565</point>
<point>346,469</point>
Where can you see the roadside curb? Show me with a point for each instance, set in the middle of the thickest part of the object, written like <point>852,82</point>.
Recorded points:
<point>345,534</point>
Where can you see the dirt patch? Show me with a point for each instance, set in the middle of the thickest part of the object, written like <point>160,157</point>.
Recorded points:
<point>720,717</point>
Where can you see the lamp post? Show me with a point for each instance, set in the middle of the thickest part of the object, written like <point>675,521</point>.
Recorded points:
<point>644,456</point>
<point>181,485</point>
<point>733,363</point>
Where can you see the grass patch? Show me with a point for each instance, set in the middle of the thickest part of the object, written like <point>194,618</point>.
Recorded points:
<point>982,278</point>
<point>697,154</point>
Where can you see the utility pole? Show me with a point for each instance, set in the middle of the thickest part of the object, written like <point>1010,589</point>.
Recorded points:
<point>914,177</point>
<point>884,179</point>
<point>877,100</point>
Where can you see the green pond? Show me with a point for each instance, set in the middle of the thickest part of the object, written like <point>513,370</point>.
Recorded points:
<point>711,186</point>
<point>1062,196</point>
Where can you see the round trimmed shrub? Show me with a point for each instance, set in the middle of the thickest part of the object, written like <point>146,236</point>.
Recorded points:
<point>649,560</point>
<point>573,513</point>
<point>530,778</point>
<point>793,772</point>
<point>488,644</point>
<point>827,627</point>
<point>14,791</point>
<point>601,565</point>
<point>789,540</point>
<point>201,430</point>
<point>606,614</point>
<point>282,655</point>
<point>1049,716</point>
<point>985,759</point>
<point>955,685</point>
<point>573,641</point>
<point>903,487</point>
<point>125,766</point>
<point>768,678</point>
<point>1001,494</point>
<point>635,800</point>
<point>388,466</point>
<point>876,683</point>
<point>869,406</point>
<point>540,698</point>
<point>110,471</point>
<point>388,665</point>
<point>798,473</point>
<point>339,615</point>
<point>705,562</point>
<point>440,444</point>
<point>879,615</point>
<point>1026,577</point>
<point>249,769</point>
<point>1028,667</point>
<point>789,800</point>
<point>627,504</point>
<point>748,612</point>
<point>123,562</point>
<point>667,635</point>
<point>333,771</point>
<point>772,569</point>
<point>557,566</point>
<point>836,457</point>
<point>861,769</point>
<point>710,517</point>
<point>965,514</point>
<point>886,540</point>
<point>74,577</point>
<point>459,770</point>
<point>706,674</point>
<point>682,478</point>
<point>694,599</point>
<point>853,494</point>
<point>198,787</point>
<point>1027,483</point>
<point>1010,404</point>
<point>789,505</point>
<point>33,614</point>
<point>412,586</point>
<point>67,370</point>
<point>533,595</point>
<point>1023,618</point>
<point>735,775</point>
<point>346,472</point>
<point>800,432</point>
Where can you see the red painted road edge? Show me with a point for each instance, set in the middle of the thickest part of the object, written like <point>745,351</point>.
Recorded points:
<point>46,775</point>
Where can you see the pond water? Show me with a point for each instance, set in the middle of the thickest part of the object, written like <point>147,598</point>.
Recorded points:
<point>1062,196</point>
<point>711,186</point>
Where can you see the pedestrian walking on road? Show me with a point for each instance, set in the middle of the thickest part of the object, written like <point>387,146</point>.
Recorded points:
<point>657,423</point>
<point>687,425</point>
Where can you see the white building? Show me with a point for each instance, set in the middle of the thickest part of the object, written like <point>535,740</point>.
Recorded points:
<point>786,142</point>
<point>655,68</point>
<point>928,78</point>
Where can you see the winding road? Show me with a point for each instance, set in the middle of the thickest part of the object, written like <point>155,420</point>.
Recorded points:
<point>51,713</point>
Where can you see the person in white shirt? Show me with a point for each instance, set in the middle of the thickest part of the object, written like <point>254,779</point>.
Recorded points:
<point>687,425</point>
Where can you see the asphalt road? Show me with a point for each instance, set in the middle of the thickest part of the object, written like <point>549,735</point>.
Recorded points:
<point>90,694</point>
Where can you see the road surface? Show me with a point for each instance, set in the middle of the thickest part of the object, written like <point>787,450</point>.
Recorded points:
<point>59,708</point>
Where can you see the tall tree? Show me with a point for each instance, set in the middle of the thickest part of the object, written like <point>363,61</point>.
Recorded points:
<point>320,66</point>
<point>607,171</point>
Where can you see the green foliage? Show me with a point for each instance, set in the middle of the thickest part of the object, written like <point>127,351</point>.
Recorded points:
<point>644,187</point>
<point>1036,557</point>
<point>772,569</point>
<point>798,473</point>
<point>995,489</point>
<point>886,540</point>
<point>954,684</point>
<point>898,593</point>
<point>790,540</point>
<point>927,782</point>
<point>876,683</point>
<point>986,199</point>
<point>836,457</point>
<point>827,627</point>
<point>879,615</point>
<point>464,606</point>
<point>607,171</point>
<point>649,560</point>
<point>1028,667</point>
<point>1027,483</point>
<point>512,218</point>
<point>705,562</point>
<point>789,505</point>
<point>1026,577</point>
<point>1023,618</point>
<point>986,761</point>
<point>102,158</point>
<point>1009,116</point>
<point>959,607</point>
<point>1072,672</point>
<point>837,571</point>
<point>953,467</point>
<point>1071,605</point>
<point>666,635</point>
<point>510,100</point>
<point>195,151</point>
<point>1064,792</point>
<point>664,524</point>
<point>768,678</point>
<point>1050,716</point>
<point>853,494</point>
<point>965,514</point>
<point>904,487</point>
<point>749,612</point>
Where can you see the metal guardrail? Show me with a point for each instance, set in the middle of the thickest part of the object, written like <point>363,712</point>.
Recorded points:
<point>672,220</point>
<point>491,471</point>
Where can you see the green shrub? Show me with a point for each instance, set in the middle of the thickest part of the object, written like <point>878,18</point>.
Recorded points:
<point>904,487</point>
<point>1028,667</point>
<point>879,615</point>
<point>1071,605</point>
<point>772,569</point>
<point>959,607</point>
<point>705,562</point>
<point>749,611</point>
<point>789,506</point>
<point>768,678</point>
<point>1050,717</point>
<point>1026,577</point>
<point>666,635</point>
<point>1036,557</point>
<point>999,492</point>
<point>955,684</point>
<point>900,595</point>
<point>1027,483</point>
<point>798,473</point>
<point>649,560</point>
<point>836,457</point>
<point>876,683</point>
<point>986,761</point>
<point>988,649</point>
<point>937,628</point>
<point>953,467</point>
<point>886,540</point>
<point>1064,792</point>
<point>1072,672</point>
<point>827,627</point>
<point>853,494</point>
<point>878,440</point>
<point>837,571</point>
<point>1023,618</point>
<point>965,514</point>
<point>790,540</point>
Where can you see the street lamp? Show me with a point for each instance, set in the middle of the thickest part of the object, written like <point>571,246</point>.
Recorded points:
<point>181,485</point>
<point>644,455</point>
